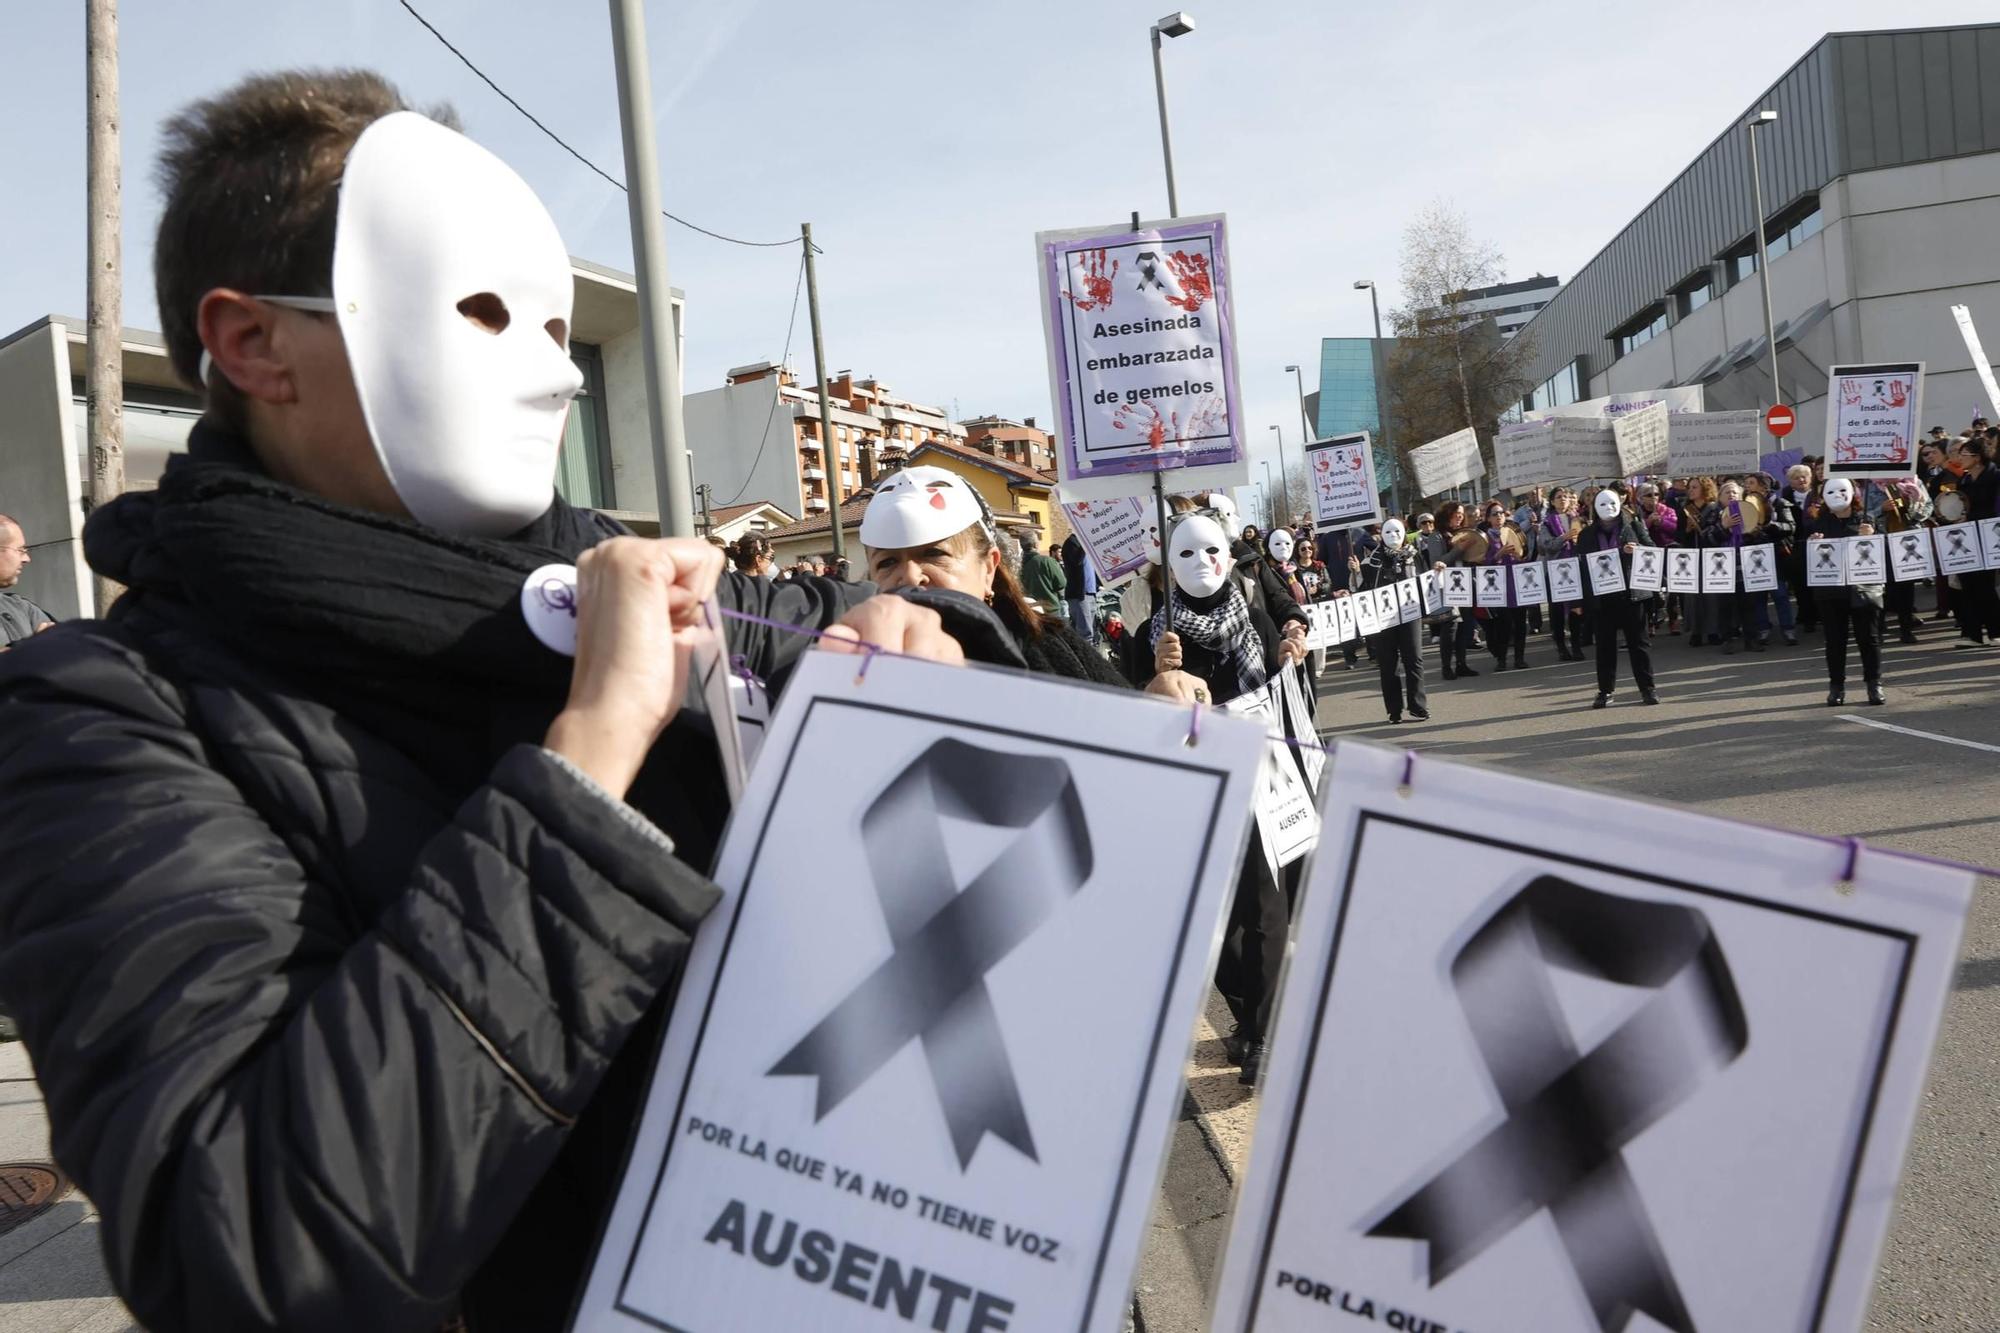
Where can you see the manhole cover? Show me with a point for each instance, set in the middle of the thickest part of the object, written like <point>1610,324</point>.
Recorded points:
<point>25,1190</point>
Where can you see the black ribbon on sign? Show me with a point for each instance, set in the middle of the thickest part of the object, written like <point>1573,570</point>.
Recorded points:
<point>1569,1117</point>
<point>946,939</point>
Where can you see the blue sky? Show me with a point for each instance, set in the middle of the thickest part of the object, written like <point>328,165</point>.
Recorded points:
<point>928,141</point>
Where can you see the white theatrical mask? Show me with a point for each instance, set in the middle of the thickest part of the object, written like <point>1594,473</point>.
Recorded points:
<point>1394,534</point>
<point>1198,554</point>
<point>453,291</point>
<point>1608,505</point>
<point>1280,545</point>
<point>1839,493</point>
<point>1225,510</point>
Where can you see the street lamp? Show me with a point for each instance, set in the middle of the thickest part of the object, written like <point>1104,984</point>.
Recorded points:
<point>1270,514</point>
<point>1765,117</point>
<point>1381,411</point>
<point>1176,24</point>
<point>1284,492</point>
<point>1305,422</point>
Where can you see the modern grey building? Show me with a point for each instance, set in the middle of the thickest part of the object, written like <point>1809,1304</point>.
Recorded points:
<point>1882,211</point>
<point>1510,304</point>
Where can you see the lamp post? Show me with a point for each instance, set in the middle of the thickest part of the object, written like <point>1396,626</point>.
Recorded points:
<point>1283,492</point>
<point>1305,422</point>
<point>1270,514</point>
<point>1765,117</point>
<point>1381,410</point>
<point>1176,24</point>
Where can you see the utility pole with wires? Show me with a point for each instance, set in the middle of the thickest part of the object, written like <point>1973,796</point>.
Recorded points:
<point>104,379</point>
<point>829,460</point>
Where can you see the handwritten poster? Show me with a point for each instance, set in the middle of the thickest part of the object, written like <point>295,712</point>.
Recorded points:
<point>1640,438</point>
<point>1113,532</point>
<point>1714,443</point>
<point>1451,460</point>
<point>1583,447</point>
<point>1341,470</point>
<point>1871,419</point>
<point>1521,454</point>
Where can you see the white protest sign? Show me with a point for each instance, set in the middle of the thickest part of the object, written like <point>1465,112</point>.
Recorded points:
<point>1989,541</point>
<point>852,1126</point>
<point>1708,443</point>
<point>1492,585</point>
<point>1759,569</point>
<point>1431,584</point>
<point>1607,573</point>
<point>1676,1089</point>
<point>1531,584</point>
<point>1367,613</point>
<point>1640,438</point>
<point>1286,817</point>
<point>1867,559</point>
<point>1958,548</point>
<point>1142,356</point>
<point>1387,612</point>
<point>1679,400</point>
<point>1341,470</point>
<point>1826,562</point>
<point>1910,556</point>
<point>1871,419</point>
<point>1409,603</point>
<point>1302,725</point>
<point>1649,569</point>
<point>1347,608</point>
<point>1683,569</point>
<point>1978,354</point>
<point>1451,460</point>
<point>1718,569</point>
<point>1566,579</point>
<point>1117,534</point>
<point>1583,447</point>
<point>1522,454</point>
<point>1458,585</point>
<point>1320,626</point>
<point>721,694</point>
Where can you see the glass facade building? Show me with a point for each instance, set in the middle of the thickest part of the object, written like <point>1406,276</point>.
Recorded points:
<point>1347,387</point>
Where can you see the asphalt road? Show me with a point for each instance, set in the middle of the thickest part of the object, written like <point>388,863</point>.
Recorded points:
<point>1750,736</point>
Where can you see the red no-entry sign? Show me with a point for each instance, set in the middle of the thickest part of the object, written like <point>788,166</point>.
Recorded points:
<point>1779,421</point>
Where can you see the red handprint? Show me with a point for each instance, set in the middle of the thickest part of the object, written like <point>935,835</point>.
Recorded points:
<point>1147,416</point>
<point>1096,282</point>
<point>1191,271</point>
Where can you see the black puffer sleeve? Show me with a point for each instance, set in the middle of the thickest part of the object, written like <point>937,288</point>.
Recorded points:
<point>808,602</point>
<point>287,1119</point>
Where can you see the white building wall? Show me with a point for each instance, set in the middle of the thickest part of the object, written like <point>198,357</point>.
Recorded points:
<point>40,486</point>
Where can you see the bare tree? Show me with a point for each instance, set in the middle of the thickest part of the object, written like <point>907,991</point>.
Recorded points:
<point>1450,368</point>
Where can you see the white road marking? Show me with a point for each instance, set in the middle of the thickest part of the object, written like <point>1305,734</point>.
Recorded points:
<point>1926,735</point>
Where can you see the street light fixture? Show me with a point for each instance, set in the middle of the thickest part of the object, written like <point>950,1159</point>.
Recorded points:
<point>1176,24</point>
<point>1284,492</point>
<point>1764,117</point>
<point>1305,422</point>
<point>1270,513</point>
<point>1381,412</point>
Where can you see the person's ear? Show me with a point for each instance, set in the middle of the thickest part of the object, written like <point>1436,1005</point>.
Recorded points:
<point>237,332</point>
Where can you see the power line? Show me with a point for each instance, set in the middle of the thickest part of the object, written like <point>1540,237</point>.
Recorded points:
<point>778,395</point>
<point>536,122</point>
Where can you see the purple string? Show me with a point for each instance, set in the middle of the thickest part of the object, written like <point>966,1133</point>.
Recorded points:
<point>739,667</point>
<point>1853,855</point>
<point>1409,766</point>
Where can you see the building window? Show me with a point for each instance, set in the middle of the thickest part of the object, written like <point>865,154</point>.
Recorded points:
<point>583,467</point>
<point>1695,293</point>
<point>1646,326</point>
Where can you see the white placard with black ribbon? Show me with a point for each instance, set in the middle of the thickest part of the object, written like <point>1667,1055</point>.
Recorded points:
<point>1458,585</point>
<point>1367,613</point>
<point>1826,562</point>
<point>1531,583</point>
<point>1387,612</point>
<point>1614,1095</point>
<point>1566,579</point>
<point>1649,568</point>
<point>1718,569</point>
<point>1683,569</point>
<point>1409,602</point>
<point>864,1111</point>
<point>1287,819</point>
<point>1607,572</point>
<point>1348,609</point>
<point>1492,585</point>
<point>1910,556</point>
<point>1867,560</point>
<point>1958,548</point>
<point>1989,541</point>
<point>1430,584</point>
<point>1759,568</point>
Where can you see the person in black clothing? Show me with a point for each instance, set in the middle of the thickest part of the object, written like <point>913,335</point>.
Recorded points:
<point>1612,613</point>
<point>1977,599</point>
<point>1453,639</point>
<point>1397,648</point>
<point>1335,549</point>
<point>1856,608</point>
<point>342,909</point>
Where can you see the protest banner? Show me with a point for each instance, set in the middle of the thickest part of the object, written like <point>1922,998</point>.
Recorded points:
<point>1322,626</point>
<point>1977,352</point>
<point>1431,585</point>
<point>1958,548</point>
<point>1759,568</point>
<point>1347,608</point>
<point>1142,357</point>
<point>1521,454</point>
<point>1566,579</point>
<point>1910,556</point>
<point>1492,585</point>
<point>857,1120</point>
<point>1683,569</point>
<point>1117,534</point>
<point>1640,439</point>
<point>1872,419</point>
<point>1714,443</point>
<point>1531,584</point>
<point>1718,569</point>
<point>1302,725</point>
<point>1409,602</point>
<point>1583,447</point>
<point>1989,541</point>
<point>1679,401</point>
<point>1607,573</point>
<point>1388,612</point>
<point>1287,817</point>
<point>1826,562</point>
<point>1867,559</point>
<point>1664,1092</point>
<point>1451,460</point>
<point>1341,469</point>
<point>1367,613</point>
<point>1649,569</point>
<point>1457,586</point>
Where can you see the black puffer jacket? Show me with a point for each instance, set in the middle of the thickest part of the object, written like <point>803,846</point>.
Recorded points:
<point>338,1029</point>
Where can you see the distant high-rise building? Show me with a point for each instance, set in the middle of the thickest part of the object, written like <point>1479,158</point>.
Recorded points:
<point>1510,304</point>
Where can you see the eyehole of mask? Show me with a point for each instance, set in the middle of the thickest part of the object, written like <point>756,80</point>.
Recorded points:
<point>559,330</point>
<point>487,311</point>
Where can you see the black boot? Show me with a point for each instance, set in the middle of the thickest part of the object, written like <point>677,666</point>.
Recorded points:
<point>1450,671</point>
<point>1253,1064</point>
<point>1875,693</point>
<point>1836,696</point>
<point>1520,659</point>
<point>1463,669</point>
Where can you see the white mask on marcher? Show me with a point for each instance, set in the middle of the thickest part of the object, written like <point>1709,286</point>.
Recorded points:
<point>1199,555</point>
<point>1280,545</point>
<point>1609,506</point>
<point>1839,493</point>
<point>467,417</point>
<point>1394,534</point>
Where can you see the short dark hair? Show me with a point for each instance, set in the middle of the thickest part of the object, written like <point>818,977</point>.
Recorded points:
<point>251,180</point>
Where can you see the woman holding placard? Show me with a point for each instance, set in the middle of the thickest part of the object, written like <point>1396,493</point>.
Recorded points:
<point>1855,608</point>
<point>1452,544</point>
<point>1617,610</point>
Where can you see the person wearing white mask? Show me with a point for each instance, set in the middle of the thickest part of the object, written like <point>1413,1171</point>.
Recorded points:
<point>352,862</point>
<point>1398,650</point>
<point>1854,609</point>
<point>1612,529</point>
